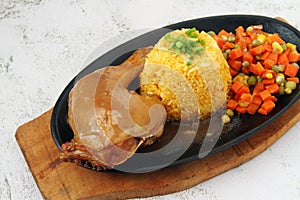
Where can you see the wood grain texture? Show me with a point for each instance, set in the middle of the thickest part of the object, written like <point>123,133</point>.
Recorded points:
<point>59,180</point>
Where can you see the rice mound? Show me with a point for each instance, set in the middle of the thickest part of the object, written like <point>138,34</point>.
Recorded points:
<point>189,83</point>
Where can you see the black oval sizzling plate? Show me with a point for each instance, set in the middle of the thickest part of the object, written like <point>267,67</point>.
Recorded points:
<point>242,126</point>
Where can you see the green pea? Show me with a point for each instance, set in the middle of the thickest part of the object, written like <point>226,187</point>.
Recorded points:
<point>256,43</point>
<point>246,64</point>
<point>228,51</point>
<point>275,68</point>
<point>229,112</point>
<point>231,39</point>
<point>259,79</point>
<point>251,80</point>
<point>223,37</point>
<point>280,78</point>
<point>236,46</point>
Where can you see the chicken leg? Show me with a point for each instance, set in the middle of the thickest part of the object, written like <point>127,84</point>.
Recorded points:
<point>109,122</point>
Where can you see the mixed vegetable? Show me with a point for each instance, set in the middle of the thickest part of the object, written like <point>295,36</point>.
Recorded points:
<point>263,66</point>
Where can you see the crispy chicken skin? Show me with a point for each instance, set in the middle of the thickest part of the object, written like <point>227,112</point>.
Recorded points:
<point>109,122</point>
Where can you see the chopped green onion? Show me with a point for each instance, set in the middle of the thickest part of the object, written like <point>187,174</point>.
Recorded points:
<point>179,44</point>
<point>188,63</point>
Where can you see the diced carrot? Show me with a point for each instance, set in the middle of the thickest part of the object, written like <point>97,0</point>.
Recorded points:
<point>268,47</point>
<point>293,56</point>
<point>252,67</point>
<point>268,106</point>
<point>242,44</point>
<point>274,88</point>
<point>268,81</point>
<point>264,94</point>
<point>248,41</point>
<point>257,50</point>
<point>256,99</point>
<point>256,91</point>
<point>245,99</point>
<point>268,74</point>
<point>223,32</point>
<point>264,56</point>
<point>259,68</point>
<point>291,70</point>
<point>260,86</point>
<point>252,108</point>
<point>247,56</point>
<point>235,64</point>
<point>219,40</point>
<point>235,53</point>
<point>283,59</point>
<point>241,109</point>
<point>253,36</point>
<point>275,38</point>
<point>237,97</point>
<point>274,57</point>
<point>260,97</point>
<point>236,86</point>
<point>294,79</point>
<point>271,98</point>
<point>262,111</point>
<point>233,72</point>
<point>243,89</point>
<point>245,70</point>
<point>268,63</point>
<point>232,104</point>
<point>227,45</point>
<point>240,32</point>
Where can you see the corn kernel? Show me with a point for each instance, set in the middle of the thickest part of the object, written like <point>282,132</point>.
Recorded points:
<point>239,78</point>
<point>269,75</point>
<point>262,38</point>
<point>277,46</point>
<point>225,119</point>
<point>288,91</point>
<point>291,46</point>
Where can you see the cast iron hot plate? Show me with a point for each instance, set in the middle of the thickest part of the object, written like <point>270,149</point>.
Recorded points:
<point>242,126</point>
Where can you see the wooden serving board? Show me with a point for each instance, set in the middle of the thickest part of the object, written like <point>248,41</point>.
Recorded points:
<point>60,180</point>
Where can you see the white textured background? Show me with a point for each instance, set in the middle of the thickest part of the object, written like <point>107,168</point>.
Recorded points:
<point>43,44</point>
